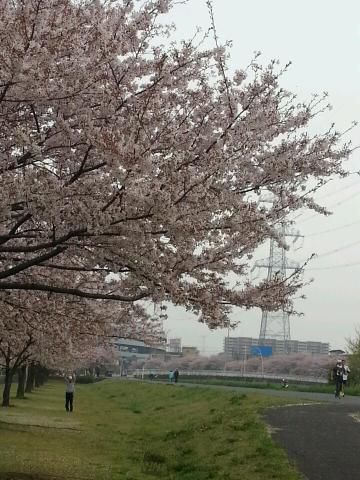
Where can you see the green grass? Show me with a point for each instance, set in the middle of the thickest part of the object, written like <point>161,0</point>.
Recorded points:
<point>325,388</point>
<point>133,431</point>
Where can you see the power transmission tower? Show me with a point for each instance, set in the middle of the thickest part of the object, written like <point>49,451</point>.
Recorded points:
<point>276,325</point>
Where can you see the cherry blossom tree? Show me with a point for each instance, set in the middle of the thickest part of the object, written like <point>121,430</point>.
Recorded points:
<point>131,166</point>
<point>58,331</point>
<point>353,347</point>
<point>16,341</point>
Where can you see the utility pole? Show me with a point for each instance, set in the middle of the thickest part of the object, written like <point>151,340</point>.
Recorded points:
<point>245,358</point>
<point>228,348</point>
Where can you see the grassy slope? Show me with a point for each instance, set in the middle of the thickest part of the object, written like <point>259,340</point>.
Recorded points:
<point>133,431</point>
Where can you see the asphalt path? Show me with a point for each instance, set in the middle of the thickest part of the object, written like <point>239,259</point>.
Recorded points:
<point>349,401</point>
<point>321,434</point>
<point>322,440</point>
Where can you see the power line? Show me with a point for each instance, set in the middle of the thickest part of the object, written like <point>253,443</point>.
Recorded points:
<point>333,229</point>
<point>329,194</point>
<point>331,252</point>
<point>332,205</point>
<point>331,267</point>
<point>336,250</point>
<point>345,187</point>
<point>345,199</point>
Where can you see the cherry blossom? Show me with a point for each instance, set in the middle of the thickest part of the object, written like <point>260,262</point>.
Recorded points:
<point>131,166</point>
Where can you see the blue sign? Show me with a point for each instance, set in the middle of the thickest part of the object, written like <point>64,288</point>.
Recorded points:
<point>261,350</point>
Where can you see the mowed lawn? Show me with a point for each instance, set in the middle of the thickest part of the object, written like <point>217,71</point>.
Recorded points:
<point>133,431</point>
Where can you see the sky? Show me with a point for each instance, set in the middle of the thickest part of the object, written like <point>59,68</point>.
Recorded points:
<point>321,39</point>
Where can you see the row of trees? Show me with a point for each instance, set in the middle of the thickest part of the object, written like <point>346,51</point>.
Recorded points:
<point>131,169</point>
<point>296,364</point>
<point>63,332</point>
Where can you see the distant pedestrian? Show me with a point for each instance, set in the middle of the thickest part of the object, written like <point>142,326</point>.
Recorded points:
<point>69,394</point>
<point>176,375</point>
<point>171,376</point>
<point>284,383</point>
<point>345,376</point>
<point>338,378</point>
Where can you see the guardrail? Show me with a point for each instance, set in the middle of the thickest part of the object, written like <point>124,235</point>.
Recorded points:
<point>233,375</point>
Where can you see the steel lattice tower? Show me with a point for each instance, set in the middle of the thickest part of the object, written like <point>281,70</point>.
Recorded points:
<point>276,325</point>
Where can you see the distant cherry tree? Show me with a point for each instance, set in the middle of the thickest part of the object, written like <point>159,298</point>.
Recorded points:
<point>295,364</point>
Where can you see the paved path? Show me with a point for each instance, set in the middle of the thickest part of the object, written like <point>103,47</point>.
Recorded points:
<point>323,440</point>
<point>308,396</point>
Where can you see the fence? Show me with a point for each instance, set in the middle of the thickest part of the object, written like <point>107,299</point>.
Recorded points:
<point>140,373</point>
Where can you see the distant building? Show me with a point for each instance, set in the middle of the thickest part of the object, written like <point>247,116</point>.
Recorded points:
<point>174,345</point>
<point>137,349</point>
<point>337,353</point>
<point>243,347</point>
<point>187,351</point>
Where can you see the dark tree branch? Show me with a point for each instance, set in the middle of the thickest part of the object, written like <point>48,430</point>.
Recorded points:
<point>71,291</point>
<point>21,358</point>
<point>6,88</point>
<point>35,118</point>
<point>94,167</point>
<point>32,262</point>
<point>12,232</point>
<point>43,246</point>
<point>81,168</point>
<point>81,269</point>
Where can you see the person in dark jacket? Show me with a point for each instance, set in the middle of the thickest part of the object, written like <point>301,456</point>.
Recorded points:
<point>338,378</point>
<point>176,375</point>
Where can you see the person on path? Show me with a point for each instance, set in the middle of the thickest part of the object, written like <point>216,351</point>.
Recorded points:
<point>171,376</point>
<point>176,375</point>
<point>345,375</point>
<point>338,378</point>
<point>284,383</point>
<point>69,394</point>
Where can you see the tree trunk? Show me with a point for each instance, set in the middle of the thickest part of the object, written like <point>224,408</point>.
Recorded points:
<point>40,375</point>
<point>21,382</point>
<point>37,376</point>
<point>44,375</point>
<point>30,378</point>
<point>7,385</point>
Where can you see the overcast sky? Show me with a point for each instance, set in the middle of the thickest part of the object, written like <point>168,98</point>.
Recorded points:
<point>322,40</point>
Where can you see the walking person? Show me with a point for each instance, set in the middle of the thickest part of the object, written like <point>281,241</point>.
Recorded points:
<point>345,376</point>
<point>338,378</point>
<point>69,394</point>
<point>176,375</point>
<point>284,383</point>
<point>171,376</point>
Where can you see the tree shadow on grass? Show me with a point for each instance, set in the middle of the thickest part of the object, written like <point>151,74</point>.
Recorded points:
<point>27,476</point>
<point>25,427</point>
